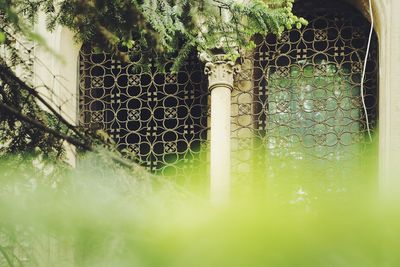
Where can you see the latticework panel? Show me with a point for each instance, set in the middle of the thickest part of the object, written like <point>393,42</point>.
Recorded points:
<point>159,118</point>
<point>306,101</point>
<point>308,83</point>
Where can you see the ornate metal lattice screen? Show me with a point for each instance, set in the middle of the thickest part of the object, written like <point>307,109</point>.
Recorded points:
<point>159,117</point>
<point>305,99</point>
<point>307,83</point>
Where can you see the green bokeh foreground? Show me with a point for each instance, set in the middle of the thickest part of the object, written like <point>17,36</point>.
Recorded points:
<point>102,215</point>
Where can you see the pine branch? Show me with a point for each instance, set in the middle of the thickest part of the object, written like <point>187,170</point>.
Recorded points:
<point>35,123</point>
<point>7,75</point>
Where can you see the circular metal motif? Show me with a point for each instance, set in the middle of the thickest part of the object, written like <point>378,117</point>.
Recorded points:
<point>157,117</point>
<point>308,81</point>
<point>303,91</point>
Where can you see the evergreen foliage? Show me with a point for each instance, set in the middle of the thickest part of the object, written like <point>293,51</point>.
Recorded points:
<point>22,120</point>
<point>172,28</point>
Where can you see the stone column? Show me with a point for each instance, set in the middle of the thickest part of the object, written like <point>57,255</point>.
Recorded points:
<point>220,76</point>
<point>388,27</point>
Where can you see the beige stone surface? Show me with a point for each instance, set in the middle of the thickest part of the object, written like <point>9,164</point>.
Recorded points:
<point>220,76</point>
<point>56,73</point>
<point>388,29</point>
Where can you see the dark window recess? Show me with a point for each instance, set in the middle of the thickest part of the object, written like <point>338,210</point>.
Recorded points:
<point>157,118</point>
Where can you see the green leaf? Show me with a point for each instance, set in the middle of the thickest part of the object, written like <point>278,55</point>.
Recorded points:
<point>2,37</point>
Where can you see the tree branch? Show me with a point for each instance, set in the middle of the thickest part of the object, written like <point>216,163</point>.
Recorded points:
<point>35,123</point>
<point>7,75</point>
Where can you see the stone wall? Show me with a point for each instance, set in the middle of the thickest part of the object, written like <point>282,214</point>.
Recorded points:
<point>56,72</point>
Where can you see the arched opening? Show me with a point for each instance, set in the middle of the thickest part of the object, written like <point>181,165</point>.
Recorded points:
<point>298,104</point>
<point>156,117</point>
<point>308,84</point>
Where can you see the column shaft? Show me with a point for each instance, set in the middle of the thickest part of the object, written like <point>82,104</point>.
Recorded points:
<point>220,84</point>
<point>220,144</point>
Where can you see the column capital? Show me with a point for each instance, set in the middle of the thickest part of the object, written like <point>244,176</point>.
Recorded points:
<point>220,71</point>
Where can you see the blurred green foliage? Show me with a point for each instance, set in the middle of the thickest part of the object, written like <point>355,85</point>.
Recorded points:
<point>100,214</point>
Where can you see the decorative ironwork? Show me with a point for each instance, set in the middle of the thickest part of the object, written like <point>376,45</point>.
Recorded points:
<point>159,118</point>
<point>297,96</point>
<point>305,91</point>
<point>308,94</point>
